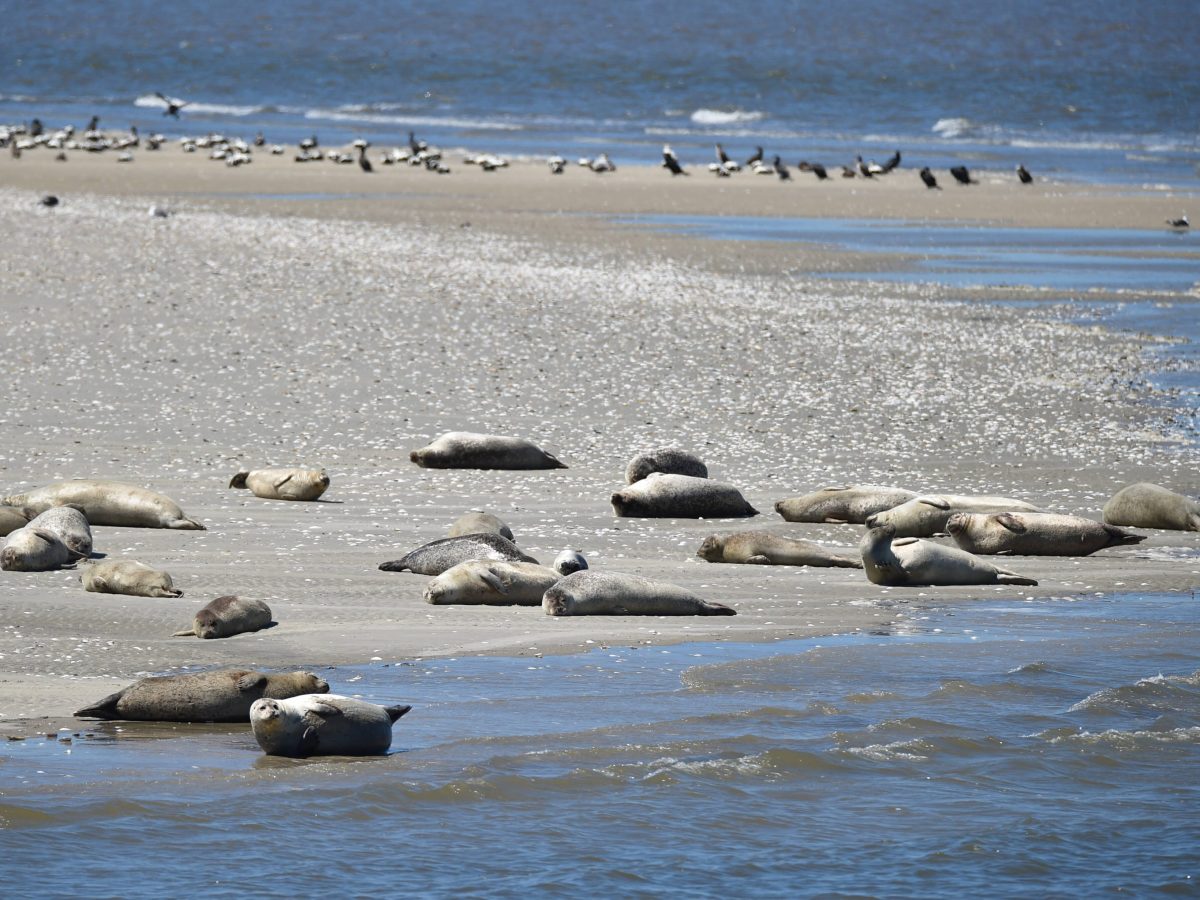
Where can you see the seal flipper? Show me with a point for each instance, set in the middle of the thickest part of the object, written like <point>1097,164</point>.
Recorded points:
<point>188,632</point>
<point>183,523</point>
<point>251,680</point>
<point>716,609</point>
<point>395,712</point>
<point>493,580</point>
<point>1011,522</point>
<point>105,709</point>
<point>280,484</point>
<point>1003,577</point>
<point>309,742</point>
<point>758,560</point>
<point>395,565</point>
<point>239,480</point>
<point>1119,536</point>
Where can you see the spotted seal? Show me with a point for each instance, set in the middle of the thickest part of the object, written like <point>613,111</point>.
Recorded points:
<point>1035,534</point>
<point>227,616</point>
<point>489,582</point>
<point>839,505</point>
<point>659,496</point>
<point>126,576</point>
<point>282,484</point>
<point>35,550</point>
<point>69,524</point>
<point>323,725</point>
<point>479,522</point>
<point>609,594</point>
<point>108,503</point>
<point>1145,505</point>
<point>927,515</point>
<point>467,450</point>
<point>667,460</point>
<point>437,556</point>
<point>766,549</point>
<point>570,561</point>
<point>910,561</point>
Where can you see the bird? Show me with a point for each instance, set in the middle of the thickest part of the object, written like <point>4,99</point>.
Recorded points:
<point>557,164</point>
<point>363,162</point>
<point>756,158</point>
<point>962,175</point>
<point>414,145</point>
<point>173,105</point>
<point>818,170</point>
<point>848,171</point>
<point>1023,174</point>
<point>891,163</point>
<point>863,169</point>
<point>49,201</point>
<point>602,164</point>
<point>671,161</point>
<point>1180,224</point>
<point>927,177</point>
<point>93,124</point>
<point>159,212</point>
<point>781,170</point>
<point>309,143</point>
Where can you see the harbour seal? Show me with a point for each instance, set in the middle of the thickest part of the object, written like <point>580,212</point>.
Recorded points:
<point>12,518</point>
<point>467,450</point>
<point>668,460</point>
<point>839,505</point>
<point>659,496</point>
<point>606,594</point>
<point>125,576</point>
<point>479,522</point>
<point>323,725</point>
<point>927,515</point>
<point>35,550</point>
<point>486,582</point>
<point>283,484</point>
<point>108,503</point>
<point>69,524</point>
<point>910,561</point>
<point>1035,534</point>
<point>437,556</point>
<point>1146,505</point>
<point>227,616</point>
<point>569,562</point>
<point>766,549</point>
<point>224,695</point>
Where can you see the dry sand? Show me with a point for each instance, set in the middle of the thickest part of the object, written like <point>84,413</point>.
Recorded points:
<point>264,325</point>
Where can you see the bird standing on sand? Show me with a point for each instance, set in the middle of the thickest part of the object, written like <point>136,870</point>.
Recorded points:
<point>1180,224</point>
<point>756,158</point>
<point>363,162</point>
<point>818,170</point>
<point>671,161</point>
<point>927,177</point>
<point>49,201</point>
<point>174,105</point>
<point>781,170</point>
<point>962,175</point>
<point>1023,174</point>
<point>863,169</point>
<point>891,163</point>
<point>557,164</point>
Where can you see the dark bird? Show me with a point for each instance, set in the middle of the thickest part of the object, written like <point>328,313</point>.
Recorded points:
<point>1023,174</point>
<point>781,170</point>
<point>1181,223</point>
<point>863,169</point>
<point>756,158</point>
<point>818,170</point>
<point>962,176</point>
<point>173,105</point>
<point>847,171</point>
<point>309,143</point>
<point>35,128</point>
<point>927,177</point>
<point>892,162</point>
<point>671,161</point>
<point>49,200</point>
<point>93,124</point>
<point>722,156</point>
<point>414,145</point>
<point>363,162</point>
<point>259,140</point>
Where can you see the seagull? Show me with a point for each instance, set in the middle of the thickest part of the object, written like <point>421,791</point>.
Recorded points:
<point>173,105</point>
<point>891,163</point>
<point>671,161</point>
<point>962,175</point>
<point>1023,174</point>
<point>602,164</point>
<point>927,177</point>
<point>557,164</point>
<point>1180,224</point>
<point>781,170</point>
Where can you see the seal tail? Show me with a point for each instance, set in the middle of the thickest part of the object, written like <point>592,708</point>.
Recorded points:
<point>183,523</point>
<point>1003,577</point>
<point>105,709</point>
<point>395,712</point>
<point>239,480</point>
<point>716,609</point>
<point>1118,537</point>
<point>395,565</point>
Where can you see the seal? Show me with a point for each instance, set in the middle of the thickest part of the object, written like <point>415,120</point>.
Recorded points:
<point>606,594</point>
<point>766,549</point>
<point>223,695</point>
<point>12,518</point>
<point>840,505</point>
<point>31,549</point>
<point>569,562</point>
<point>323,725</point>
<point>485,582</point>
<point>227,616</point>
<point>108,503</point>
<point>659,496</point>
<point>927,515</point>
<point>467,450</point>
<point>479,522</point>
<point>125,576</point>
<point>1145,505</point>
<point>69,525</point>
<point>668,460</point>
<point>910,561</point>
<point>1035,534</point>
<point>283,484</point>
<point>437,556</point>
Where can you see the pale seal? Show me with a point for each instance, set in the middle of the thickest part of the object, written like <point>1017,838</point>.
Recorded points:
<point>838,505</point>
<point>910,561</point>
<point>283,484</point>
<point>766,549</point>
<point>1145,505</point>
<point>224,695</point>
<point>227,616</point>
<point>69,524</point>
<point>323,725</point>
<point>1035,534</point>
<point>659,496</point>
<point>12,518</point>
<point>35,550</point>
<point>606,594</point>
<point>479,522</point>
<point>487,582</point>
<point>437,556</point>
<point>569,562</point>
<point>125,576</point>
<point>108,503</point>
<point>668,460</point>
<point>927,515</point>
<point>467,450</point>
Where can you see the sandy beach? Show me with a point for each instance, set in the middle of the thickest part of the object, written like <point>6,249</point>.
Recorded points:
<point>310,315</point>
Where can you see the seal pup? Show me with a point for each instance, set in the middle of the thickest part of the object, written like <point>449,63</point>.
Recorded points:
<point>69,524</point>
<point>108,503</point>
<point>35,550</point>
<point>607,594</point>
<point>667,460</point>
<point>468,450</point>
<point>927,514</point>
<point>125,576</point>
<point>680,497</point>
<point>841,505</point>
<point>12,518</point>
<point>570,561</point>
<point>479,522</point>
<point>1145,505</point>
<point>1035,534</point>
<point>227,616</point>
<point>485,582</point>
<point>910,561</point>
<point>323,725</point>
<point>283,484</point>
<point>223,695</point>
<point>765,549</point>
<point>437,556</point>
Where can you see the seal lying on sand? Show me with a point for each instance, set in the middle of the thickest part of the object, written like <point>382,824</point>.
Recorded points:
<point>766,549</point>
<point>485,582</point>
<point>35,550</point>
<point>668,460</point>
<point>437,556</point>
<point>604,594</point>
<point>1035,534</point>
<point>69,524</point>
<point>479,522</point>
<point>323,725</point>
<point>125,576</point>
<point>838,505</point>
<point>283,484</point>
<point>569,562</point>
<point>927,515</point>
<point>910,561</point>
<point>108,503</point>
<point>221,696</point>
<point>1146,505</point>
<point>659,496</point>
<point>466,450</point>
<point>12,518</point>
<point>227,616</point>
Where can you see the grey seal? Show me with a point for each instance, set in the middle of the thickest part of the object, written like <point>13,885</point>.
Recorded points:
<point>224,695</point>
<point>437,556</point>
<point>467,450</point>
<point>488,582</point>
<point>680,497</point>
<point>910,561</point>
<point>927,515</point>
<point>838,505</point>
<point>668,460</point>
<point>323,725</point>
<point>569,562</point>
<point>69,524</point>
<point>108,503</point>
<point>1145,505</point>
<point>283,484</point>
<point>1035,534</point>
<point>766,549</point>
<point>12,518</point>
<point>227,616</point>
<point>607,594</point>
<point>126,576</point>
<point>479,522</point>
<point>35,550</point>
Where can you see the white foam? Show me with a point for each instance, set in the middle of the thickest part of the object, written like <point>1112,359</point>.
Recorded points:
<point>334,115</point>
<point>151,101</point>
<point>722,117</point>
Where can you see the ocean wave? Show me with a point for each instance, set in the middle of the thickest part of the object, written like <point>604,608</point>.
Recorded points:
<point>151,101</point>
<point>1157,693</point>
<point>1123,740</point>
<point>723,117</point>
<point>954,127</point>
<point>336,115</point>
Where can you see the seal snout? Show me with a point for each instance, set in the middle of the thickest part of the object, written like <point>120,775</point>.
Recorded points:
<point>956,524</point>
